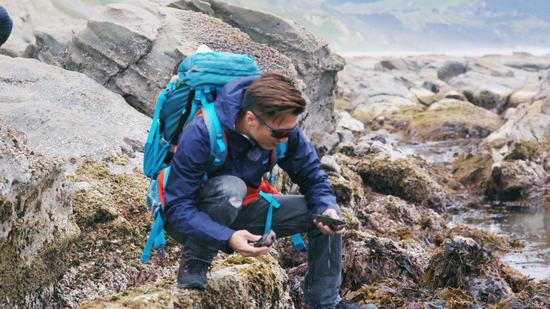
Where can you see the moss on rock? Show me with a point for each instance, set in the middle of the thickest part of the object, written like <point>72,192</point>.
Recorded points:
<point>451,119</point>
<point>392,217</point>
<point>525,150</point>
<point>107,195</point>
<point>473,171</point>
<point>256,283</point>
<point>36,224</point>
<point>23,283</point>
<point>369,259</point>
<point>348,185</point>
<point>535,295</point>
<point>489,241</point>
<point>408,179</point>
<point>109,207</point>
<point>465,264</point>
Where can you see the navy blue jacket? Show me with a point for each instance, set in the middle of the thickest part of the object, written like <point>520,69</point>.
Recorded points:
<point>5,25</point>
<point>189,165</point>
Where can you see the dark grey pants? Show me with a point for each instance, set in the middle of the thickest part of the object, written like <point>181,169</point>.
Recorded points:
<point>221,197</point>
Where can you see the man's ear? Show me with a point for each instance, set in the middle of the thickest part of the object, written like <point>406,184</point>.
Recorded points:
<point>250,119</point>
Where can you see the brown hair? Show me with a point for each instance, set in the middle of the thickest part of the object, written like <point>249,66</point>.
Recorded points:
<point>273,95</point>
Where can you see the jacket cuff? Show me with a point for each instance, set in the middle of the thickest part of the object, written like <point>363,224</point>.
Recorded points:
<point>224,245</point>
<point>321,209</point>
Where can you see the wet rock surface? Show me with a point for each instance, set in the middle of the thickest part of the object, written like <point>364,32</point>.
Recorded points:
<point>36,225</point>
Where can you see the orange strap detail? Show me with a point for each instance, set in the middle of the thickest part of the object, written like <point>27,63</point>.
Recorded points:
<point>253,193</point>
<point>160,185</point>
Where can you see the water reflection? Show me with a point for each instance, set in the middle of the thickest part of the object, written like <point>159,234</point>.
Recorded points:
<point>528,224</point>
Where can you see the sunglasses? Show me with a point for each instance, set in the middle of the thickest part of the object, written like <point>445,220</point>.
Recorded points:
<point>276,133</point>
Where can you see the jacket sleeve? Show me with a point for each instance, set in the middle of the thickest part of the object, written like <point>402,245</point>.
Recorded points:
<point>303,166</point>
<point>184,182</point>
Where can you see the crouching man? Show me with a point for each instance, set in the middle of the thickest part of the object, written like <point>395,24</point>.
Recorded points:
<point>225,212</point>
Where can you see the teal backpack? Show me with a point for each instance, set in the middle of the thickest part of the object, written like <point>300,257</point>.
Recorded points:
<point>200,77</point>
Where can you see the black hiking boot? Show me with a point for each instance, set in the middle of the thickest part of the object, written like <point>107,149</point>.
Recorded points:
<point>344,304</point>
<point>192,273</point>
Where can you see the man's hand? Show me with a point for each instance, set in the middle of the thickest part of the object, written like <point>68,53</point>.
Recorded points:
<point>241,241</point>
<point>325,229</point>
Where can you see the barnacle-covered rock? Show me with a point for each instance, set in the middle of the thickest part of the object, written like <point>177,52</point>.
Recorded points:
<point>463,263</point>
<point>410,178</point>
<point>234,282</point>
<point>370,258</point>
<point>36,222</point>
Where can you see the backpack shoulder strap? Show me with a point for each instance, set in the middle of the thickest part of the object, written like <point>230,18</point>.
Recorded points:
<point>218,143</point>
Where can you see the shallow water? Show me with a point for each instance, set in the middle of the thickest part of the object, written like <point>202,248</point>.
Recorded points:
<point>440,153</point>
<point>531,225</point>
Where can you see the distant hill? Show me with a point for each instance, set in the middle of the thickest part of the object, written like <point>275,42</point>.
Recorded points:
<point>426,25</point>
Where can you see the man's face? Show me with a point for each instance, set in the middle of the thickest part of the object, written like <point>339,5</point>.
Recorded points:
<point>267,132</point>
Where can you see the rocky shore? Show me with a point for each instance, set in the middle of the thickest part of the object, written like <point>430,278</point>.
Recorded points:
<point>74,102</point>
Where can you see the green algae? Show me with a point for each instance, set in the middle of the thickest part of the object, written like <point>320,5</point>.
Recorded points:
<point>525,150</point>
<point>472,170</point>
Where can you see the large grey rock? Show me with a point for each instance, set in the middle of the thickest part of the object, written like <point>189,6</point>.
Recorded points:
<point>52,17</point>
<point>347,122</point>
<point>529,122</point>
<point>514,180</point>
<point>398,64</point>
<point>311,56</point>
<point>518,149</point>
<point>376,94</point>
<point>434,85</point>
<point>364,86</point>
<point>451,69</point>
<point>134,48</point>
<point>51,45</point>
<point>35,222</point>
<point>423,95</point>
<point>520,96</point>
<point>39,18</point>
<point>487,67</point>
<point>452,119</point>
<point>523,61</point>
<point>487,91</point>
<point>66,114</point>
